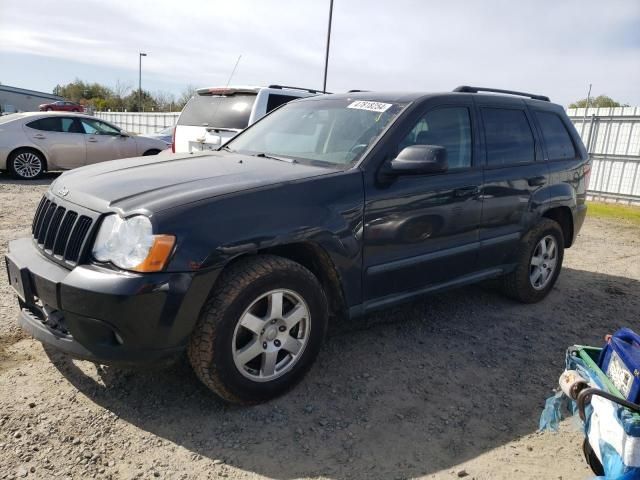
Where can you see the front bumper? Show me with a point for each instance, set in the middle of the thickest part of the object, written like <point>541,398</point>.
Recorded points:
<point>102,315</point>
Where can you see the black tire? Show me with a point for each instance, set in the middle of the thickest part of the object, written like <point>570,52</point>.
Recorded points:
<point>517,284</point>
<point>150,152</point>
<point>16,156</point>
<point>210,349</point>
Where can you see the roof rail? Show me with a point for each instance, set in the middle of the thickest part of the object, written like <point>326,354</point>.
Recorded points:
<point>310,90</point>
<point>468,89</point>
<point>356,91</point>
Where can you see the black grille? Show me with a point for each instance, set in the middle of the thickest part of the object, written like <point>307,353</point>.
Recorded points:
<point>60,232</point>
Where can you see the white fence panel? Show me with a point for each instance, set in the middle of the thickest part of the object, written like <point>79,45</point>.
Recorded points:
<point>140,122</point>
<point>612,138</point>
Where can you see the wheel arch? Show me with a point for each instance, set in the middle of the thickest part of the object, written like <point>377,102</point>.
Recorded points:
<point>564,217</point>
<point>318,261</point>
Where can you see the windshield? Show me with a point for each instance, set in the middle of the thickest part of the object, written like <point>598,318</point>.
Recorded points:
<point>223,111</point>
<point>334,131</point>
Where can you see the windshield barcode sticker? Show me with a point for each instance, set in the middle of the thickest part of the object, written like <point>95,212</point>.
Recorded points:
<point>371,106</point>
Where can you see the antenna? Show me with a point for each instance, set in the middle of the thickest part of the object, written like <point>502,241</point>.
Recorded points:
<point>234,70</point>
<point>215,111</point>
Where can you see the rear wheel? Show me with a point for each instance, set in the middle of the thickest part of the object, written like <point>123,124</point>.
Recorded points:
<point>260,331</point>
<point>151,152</point>
<point>26,164</point>
<point>539,263</point>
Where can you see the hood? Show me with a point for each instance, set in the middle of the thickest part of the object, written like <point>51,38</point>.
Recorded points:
<point>155,183</point>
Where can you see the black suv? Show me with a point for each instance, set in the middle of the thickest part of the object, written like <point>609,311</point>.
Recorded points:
<point>333,205</point>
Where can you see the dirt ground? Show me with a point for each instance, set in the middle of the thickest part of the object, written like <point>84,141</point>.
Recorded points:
<point>448,387</point>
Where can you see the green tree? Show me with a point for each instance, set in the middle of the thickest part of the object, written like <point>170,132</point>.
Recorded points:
<point>597,102</point>
<point>131,102</point>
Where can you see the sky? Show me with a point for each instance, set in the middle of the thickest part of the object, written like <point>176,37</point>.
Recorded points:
<point>550,47</point>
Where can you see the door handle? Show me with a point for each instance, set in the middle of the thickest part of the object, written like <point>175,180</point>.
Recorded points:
<point>536,181</point>
<point>93,140</point>
<point>468,191</point>
<point>39,136</point>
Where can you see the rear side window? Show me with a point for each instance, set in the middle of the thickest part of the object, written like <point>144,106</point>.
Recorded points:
<point>508,136</point>
<point>275,100</point>
<point>556,137</point>
<point>223,111</point>
<point>51,124</point>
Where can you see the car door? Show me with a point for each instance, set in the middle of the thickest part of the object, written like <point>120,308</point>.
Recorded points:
<point>422,230</point>
<point>106,142</point>
<point>61,139</point>
<point>514,179</point>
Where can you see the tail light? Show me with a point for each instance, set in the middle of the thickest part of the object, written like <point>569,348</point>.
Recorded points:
<point>173,140</point>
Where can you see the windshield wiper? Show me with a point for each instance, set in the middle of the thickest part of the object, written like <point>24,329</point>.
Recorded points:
<point>221,129</point>
<point>272,157</point>
<point>226,147</point>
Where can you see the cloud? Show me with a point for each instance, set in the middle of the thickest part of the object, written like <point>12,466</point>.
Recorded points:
<point>550,47</point>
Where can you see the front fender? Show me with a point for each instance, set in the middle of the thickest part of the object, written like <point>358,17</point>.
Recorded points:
<point>326,211</point>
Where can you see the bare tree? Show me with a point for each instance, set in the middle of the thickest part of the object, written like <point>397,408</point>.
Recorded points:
<point>166,101</point>
<point>188,92</point>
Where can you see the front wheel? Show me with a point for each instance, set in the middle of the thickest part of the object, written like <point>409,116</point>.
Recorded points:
<point>26,164</point>
<point>260,331</point>
<point>539,263</point>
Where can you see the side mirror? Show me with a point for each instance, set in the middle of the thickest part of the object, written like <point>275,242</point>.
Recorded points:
<point>419,160</point>
<point>124,134</point>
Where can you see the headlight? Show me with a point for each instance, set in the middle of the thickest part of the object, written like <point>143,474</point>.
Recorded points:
<point>129,243</point>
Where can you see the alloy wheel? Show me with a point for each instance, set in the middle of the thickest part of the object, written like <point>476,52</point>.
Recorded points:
<point>27,165</point>
<point>271,335</point>
<point>543,262</point>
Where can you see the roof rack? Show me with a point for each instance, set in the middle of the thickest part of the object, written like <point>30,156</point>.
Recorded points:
<point>310,90</point>
<point>356,91</point>
<point>468,89</point>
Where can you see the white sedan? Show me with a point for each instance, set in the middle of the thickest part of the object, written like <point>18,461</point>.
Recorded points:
<point>34,142</point>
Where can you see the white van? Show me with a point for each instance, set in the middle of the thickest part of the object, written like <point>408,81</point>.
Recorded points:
<point>214,115</point>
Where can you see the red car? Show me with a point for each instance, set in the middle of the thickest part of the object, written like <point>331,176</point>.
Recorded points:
<point>61,106</point>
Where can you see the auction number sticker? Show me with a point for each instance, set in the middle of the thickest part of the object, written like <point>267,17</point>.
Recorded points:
<point>371,106</point>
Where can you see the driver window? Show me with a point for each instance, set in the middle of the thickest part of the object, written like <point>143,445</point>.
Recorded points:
<point>448,127</point>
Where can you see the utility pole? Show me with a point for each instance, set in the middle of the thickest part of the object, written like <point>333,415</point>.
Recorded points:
<point>140,55</point>
<point>584,119</point>
<point>326,56</point>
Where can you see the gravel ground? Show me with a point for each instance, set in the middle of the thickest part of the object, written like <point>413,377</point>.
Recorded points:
<point>448,387</point>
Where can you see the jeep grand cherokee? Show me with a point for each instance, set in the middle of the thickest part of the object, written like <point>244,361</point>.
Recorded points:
<point>329,206</point>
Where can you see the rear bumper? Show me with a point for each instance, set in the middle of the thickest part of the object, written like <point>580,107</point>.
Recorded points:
<point>102,315</point>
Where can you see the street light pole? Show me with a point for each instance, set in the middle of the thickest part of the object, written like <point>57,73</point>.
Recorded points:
<point>140,55</point>
<point>326,56</point>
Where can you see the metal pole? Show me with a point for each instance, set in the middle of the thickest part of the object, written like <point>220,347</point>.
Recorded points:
<point>326,56</point>
<point>590,136</point>
<point>140,55</point>
<point>584,120</point>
